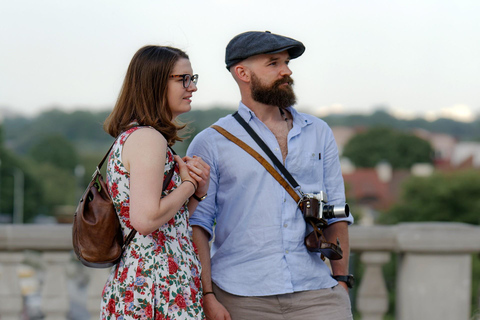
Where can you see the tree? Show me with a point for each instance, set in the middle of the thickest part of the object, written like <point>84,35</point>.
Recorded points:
<point>440,197</point>
<point>400,149</point>
<point>33,192</point>
<point>56,150</point>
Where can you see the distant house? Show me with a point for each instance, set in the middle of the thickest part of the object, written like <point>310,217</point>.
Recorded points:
<point>342,136</point>
<point>466,155</point>
<point>377,189</point>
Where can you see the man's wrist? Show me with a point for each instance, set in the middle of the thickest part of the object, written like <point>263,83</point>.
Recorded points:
<point>194,196</point>
<point>348,279</point>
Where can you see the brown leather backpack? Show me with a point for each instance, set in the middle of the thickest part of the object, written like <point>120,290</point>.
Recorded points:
<point>97,235</point>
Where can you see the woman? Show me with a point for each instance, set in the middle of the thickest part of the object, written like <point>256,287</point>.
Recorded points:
<point>158,276</point>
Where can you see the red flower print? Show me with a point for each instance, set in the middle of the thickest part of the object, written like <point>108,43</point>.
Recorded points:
<point>135,254</point>
<point>160,316</point>
<point>123,276</point>
<point>129,131</point>
<point>148,311</point>
<point>128,296</point>
<point>197,282</point>
<point>172,266</point>
<point>195,249</point>
<point>125,210</point>
<point>114,190</point>
<point>171,184</point>
<point>111,306</point>
<point>161,239</point>
<point>166,295</point>
<point>194,295</point>
<point>180,301</point>
<point>117,170</point>
<point>171,221</point>
<point>139,270</point>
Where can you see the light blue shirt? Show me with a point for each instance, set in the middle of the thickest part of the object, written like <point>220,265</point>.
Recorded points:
<point>258,248</point>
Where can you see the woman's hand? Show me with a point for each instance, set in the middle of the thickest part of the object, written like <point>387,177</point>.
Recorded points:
<point>185,171</point>
<point>199,170</point>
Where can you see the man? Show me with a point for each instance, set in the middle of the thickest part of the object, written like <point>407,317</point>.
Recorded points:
<point>259,266</point>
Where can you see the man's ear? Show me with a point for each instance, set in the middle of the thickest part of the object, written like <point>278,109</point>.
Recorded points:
<point>242,73</point>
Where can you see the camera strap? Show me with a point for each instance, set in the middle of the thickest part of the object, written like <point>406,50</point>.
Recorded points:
<point>260,159</point>
<point>288,186</point>
<point>267,150</point>
<point>315,241</point>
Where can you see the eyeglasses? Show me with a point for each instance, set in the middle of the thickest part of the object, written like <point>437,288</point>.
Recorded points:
<point>187,78</point>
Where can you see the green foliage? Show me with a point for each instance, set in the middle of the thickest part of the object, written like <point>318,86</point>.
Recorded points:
<point>460,130</point>
<point>378,144</point>
<point>83,131</point>
<point>33,194</point>
<point>56,150</point>
<point>1,138</point>
<point>80,128</point>
<point>196,121</point>
<point>58,186</point>
<point>441,197</point>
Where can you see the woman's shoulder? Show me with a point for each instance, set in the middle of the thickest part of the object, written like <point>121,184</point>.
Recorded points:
<point>144,133</point>
<point>145,139</point>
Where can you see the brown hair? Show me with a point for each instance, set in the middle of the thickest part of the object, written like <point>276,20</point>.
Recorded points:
<point>143,97</point>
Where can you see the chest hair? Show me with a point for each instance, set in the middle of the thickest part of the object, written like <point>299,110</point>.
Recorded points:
<point>280,131</point>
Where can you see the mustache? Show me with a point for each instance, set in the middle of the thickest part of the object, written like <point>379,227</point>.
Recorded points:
<point>286,79</point>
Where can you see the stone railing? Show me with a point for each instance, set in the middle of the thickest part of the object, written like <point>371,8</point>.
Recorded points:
<point>434,273</point>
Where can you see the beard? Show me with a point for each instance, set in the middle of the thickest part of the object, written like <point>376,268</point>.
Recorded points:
<point>276,94</point>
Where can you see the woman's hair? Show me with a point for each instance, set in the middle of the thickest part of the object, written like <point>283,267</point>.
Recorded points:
<point>143,97</point>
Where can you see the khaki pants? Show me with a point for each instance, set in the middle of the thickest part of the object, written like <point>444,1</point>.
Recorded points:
<point>325,304</point>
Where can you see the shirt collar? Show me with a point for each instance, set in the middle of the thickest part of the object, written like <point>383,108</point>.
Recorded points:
<point>298,118</point>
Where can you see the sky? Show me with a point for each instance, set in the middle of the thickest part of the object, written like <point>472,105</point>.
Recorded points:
<point>409,57</point>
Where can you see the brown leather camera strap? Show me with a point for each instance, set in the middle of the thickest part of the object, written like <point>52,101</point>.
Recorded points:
<point>260,159</point>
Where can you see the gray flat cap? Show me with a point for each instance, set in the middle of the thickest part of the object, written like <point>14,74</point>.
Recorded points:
<point>251,43</point>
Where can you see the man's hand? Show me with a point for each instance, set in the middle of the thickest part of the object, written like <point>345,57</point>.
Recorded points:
<point>213,309</point>
<point>343,284</point>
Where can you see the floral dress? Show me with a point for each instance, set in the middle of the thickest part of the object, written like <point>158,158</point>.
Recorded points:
<point>158,276</point>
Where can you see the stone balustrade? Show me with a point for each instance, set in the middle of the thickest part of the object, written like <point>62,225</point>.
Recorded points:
<point>434,270</point>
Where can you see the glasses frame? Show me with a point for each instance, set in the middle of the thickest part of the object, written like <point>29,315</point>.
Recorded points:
<point>186,78</point>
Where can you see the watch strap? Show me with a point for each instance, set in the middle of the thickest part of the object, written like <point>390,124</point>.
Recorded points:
<point>194,196</point>
<point>348,279</point>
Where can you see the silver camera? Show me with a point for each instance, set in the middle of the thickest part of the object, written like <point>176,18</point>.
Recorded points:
<point>314,207</point>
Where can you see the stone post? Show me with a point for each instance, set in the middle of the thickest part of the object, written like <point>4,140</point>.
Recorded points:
<point>434,276</point>
<point>372,295</point>
<point>10,293</point>
<point>55,298</point>
<point>98,277</point>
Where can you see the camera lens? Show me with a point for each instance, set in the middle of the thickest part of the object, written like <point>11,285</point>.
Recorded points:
<point>330,212</point>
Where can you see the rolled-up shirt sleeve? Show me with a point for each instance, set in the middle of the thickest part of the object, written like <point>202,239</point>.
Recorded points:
<point>204,215</point>
<point>333,179</point>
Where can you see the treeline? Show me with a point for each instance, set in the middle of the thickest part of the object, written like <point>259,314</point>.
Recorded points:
<point>466,131</point>
<point>84,128</point>
<point>57,151</point>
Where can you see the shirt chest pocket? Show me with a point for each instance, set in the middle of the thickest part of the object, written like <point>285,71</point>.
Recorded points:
<point>306,166</point>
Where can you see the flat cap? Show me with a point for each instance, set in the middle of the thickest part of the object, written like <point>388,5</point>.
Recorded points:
<point>251,43</point>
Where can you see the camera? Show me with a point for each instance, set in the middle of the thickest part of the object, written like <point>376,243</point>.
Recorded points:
<point>314,207</point>
<point>315,211</point>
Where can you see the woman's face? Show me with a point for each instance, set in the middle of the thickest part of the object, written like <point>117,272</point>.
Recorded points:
<point>178,97</point>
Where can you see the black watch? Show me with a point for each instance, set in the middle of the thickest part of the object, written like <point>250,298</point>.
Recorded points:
<point>348,279</point>
<point>199,198</point>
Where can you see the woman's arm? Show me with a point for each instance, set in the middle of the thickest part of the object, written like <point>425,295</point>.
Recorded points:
<point>143,156</point>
